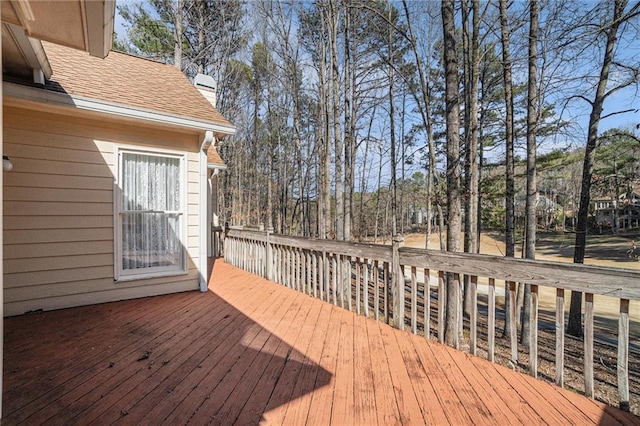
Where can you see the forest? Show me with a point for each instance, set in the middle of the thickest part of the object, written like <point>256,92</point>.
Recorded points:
<point>364,119</point>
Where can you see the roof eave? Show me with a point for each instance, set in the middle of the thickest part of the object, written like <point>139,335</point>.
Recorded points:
<point>17,91</point>
<point>216,166</point>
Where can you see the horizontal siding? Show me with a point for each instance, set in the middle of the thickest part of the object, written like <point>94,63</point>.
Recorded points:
<point>37,236</point>
<point>57,195</point>
<point>12,266</point>
<point>51,167</point>
<point>33,251</point>
<point>17,179</point>
<point>68,155</point>
<point>43,208</point>
<point>46,303</point>
<point>36,278</point>
<point>90,286</point>
<point>57,222</point>
<point>54,124</point>
<point>30,138</point>
<point>58,211</point>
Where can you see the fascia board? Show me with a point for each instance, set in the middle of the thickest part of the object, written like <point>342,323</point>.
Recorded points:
<point>98,22</point>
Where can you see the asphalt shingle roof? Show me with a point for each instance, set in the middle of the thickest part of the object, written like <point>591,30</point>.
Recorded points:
<point>213,157</point>
<point>128,80</point>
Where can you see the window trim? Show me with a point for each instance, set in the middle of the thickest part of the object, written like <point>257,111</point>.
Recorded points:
<point>119,274</point>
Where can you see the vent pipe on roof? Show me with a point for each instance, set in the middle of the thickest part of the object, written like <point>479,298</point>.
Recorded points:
<point>207,86</point>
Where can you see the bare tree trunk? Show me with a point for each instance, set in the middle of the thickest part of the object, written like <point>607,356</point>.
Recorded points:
<point>574,325</point>
<point>177,47</point>
<point>201,36</point>
<point>471,135</point>
<point>392,131</point>
<point>362,227</point>
<point>324,207</point>
<point>379,187</point>
<point>424,106</point>
<point>334,87</point>
<point>349,124</point>
<point>532,190</point>
<point>509,136</point>
<point>443,245</point>
<point>453,167</point>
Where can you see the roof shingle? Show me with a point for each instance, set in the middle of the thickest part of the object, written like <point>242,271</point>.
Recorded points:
<point>213,157</point>
<point>128,80</point>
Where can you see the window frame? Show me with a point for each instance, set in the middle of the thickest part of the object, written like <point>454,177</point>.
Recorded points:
<point>120,274</point>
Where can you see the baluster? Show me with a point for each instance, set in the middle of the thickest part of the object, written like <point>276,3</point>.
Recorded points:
<point>376,290</point>
<point>357,267</point>
<point>588,345</point>
<point>414,301</point>
<point>533,336</point>
<point>457,294</point>
<point>426,297</point>
<point>473,320</point>
<point>441,306</point>
<point>491,322</point>
<point>514,329</point>
<point>623,355</point>
<point>309,283</point>
<point>560,337</point>
<point>347,281</point>
<point>334,278</point>
<point>314,268</point>
<point>386,289</point>
<point>365,288</point>
<point>325,276</point>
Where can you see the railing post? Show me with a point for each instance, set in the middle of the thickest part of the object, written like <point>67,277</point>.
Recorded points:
<point>269,256</point>
<point>397,283</point>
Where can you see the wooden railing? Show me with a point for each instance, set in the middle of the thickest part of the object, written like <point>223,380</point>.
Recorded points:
<point>383,282</point>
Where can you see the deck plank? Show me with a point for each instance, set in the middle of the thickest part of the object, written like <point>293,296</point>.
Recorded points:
<point>85,361</point>
<point>492,407</point>
<point>364,397</point>
<point>251,351</point>
<point>321,405</point>
<point>210,388</point>
<point>283,391</point>
<point>343,402</point>
<point>312,376</point>
<point>386,405</point>
<point>409,409</point>
<point>432,411</point>
<point>168,364</point>
<point>443,388</point>
<point>248,400</point>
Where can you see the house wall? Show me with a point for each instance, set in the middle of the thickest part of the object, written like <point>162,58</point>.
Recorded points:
<point>58,211</point>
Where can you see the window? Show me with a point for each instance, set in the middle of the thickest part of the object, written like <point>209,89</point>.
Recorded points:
<point>149,214</point>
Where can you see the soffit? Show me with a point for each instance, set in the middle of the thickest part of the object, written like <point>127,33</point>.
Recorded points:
<point>81,24</point>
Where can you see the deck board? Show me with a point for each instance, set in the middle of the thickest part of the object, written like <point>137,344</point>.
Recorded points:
<point>251,351</point>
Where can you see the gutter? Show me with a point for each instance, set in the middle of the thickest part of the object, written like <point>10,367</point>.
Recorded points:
<point>204,219</point>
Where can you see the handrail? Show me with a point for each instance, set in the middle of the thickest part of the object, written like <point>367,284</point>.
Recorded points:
<point>614,282</point>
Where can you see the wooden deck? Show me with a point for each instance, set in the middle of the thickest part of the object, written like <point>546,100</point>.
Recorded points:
<point>250,351</point>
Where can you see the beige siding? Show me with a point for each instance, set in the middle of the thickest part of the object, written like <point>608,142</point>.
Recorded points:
<point>58,211</point>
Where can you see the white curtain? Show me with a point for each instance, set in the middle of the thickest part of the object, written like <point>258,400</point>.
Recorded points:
<point>151,212</point>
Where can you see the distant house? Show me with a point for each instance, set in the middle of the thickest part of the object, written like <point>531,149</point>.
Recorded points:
<point>626,210</point>
<point>110,194</point>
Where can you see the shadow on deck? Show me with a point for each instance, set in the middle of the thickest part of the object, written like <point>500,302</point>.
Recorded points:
<point>251,351</point>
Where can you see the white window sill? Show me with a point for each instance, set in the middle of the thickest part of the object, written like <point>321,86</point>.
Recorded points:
<point>149,275</point>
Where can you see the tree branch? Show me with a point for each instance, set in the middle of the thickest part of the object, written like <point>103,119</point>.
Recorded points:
<point>618,112</point>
